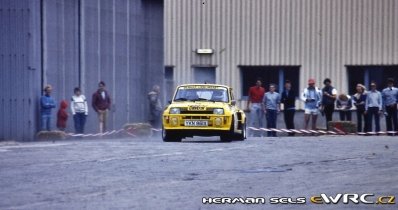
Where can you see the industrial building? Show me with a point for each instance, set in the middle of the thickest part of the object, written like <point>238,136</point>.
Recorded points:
<point>70,43</point>
<point>135,44</point>
<point>233,42</point>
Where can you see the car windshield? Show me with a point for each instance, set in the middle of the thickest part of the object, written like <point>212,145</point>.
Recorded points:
<point>195,93</point>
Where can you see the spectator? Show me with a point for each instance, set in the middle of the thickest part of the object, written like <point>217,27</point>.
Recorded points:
<point>344,104</point>
<point>47,103</point>
<point>329,94</point>
<point>101,104</point>
<point>271,107</point>
<point>390,95</point>
<point>155,107</point>
<point>312,97</point>
<point>62,115</point>
<point>359,102</point>
<point>256,95</point>
<point>373,107</point>
<point>79,110</point>
<point>288,100</point>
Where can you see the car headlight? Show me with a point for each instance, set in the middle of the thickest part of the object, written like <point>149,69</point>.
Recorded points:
<point>175,111</point>
<point>218,111</point>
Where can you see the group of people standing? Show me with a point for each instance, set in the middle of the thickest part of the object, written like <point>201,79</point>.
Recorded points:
<point>262,103</point>
<point>370,105</point>
<point>101,103</point>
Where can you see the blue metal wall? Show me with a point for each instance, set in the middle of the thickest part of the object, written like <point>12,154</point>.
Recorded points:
<point>83,42</point>
<point>19,68</point>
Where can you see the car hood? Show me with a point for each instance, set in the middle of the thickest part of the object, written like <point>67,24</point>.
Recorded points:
<point>205,104</point>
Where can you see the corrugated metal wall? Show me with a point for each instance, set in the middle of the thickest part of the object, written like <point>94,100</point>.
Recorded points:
<point>321,36</point>
<point>19,68</point>
<point>84,41</point>
<point>117,41</point>
<point>61,49</point>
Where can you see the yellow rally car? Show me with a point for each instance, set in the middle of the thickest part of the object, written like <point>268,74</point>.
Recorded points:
<point>203,110</point>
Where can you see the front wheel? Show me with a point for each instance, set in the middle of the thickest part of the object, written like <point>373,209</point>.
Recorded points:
<point>226,138</point>
<point>169,136</point>
<point>242,136</point>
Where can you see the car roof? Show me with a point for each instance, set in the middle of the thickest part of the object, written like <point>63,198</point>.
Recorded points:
<point>201,84</point>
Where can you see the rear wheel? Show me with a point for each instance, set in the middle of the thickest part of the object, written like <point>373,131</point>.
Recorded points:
<point>169,136</point>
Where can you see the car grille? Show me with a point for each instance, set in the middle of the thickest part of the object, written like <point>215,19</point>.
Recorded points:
<point>196,112</point>
<point>186,111</point>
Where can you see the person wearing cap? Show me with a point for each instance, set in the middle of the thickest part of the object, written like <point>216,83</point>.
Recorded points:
<point>344,105</point>
<point>47,103</point>
<point>271,107</point>
<point>155,107</point>
<point>254,104</point>
<point>390,95</point>
<point>359,102</point>
<point>288,99</point>
<point>373,107</point>
<point>311,96</point>
<point>329,94</point>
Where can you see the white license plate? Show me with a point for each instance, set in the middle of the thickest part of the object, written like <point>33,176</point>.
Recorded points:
<point>196,123</point>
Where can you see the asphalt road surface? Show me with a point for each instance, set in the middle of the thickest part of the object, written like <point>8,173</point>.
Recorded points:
<point>149,174</point>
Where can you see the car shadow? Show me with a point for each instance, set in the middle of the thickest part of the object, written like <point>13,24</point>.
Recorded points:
<point>206,141</point>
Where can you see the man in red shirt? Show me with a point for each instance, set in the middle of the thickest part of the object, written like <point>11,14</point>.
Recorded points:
<point>101,104</point>
<point>256,94</point>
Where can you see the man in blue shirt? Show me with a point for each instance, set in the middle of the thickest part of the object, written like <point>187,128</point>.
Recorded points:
<point>271,107</point>
<point>47,103</point>
<point>373,107</point>
<point>390,95</point>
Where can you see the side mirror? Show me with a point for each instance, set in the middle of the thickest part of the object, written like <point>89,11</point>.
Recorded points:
<point>233,102</point>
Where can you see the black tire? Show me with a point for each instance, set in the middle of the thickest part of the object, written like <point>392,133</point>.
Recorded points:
<point>241,136</point>
<point>168,136</point>
<point>226,138</point>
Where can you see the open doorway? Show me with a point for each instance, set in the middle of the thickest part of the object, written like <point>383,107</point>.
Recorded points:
<point>366,74</point>
<point>169,82</point>
<point>269,74</point>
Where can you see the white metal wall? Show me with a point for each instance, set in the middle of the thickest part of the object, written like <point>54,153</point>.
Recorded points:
<point>322,36</point>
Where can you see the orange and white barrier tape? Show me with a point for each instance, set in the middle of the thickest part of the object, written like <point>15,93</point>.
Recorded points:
<point>338,131</point>
<point>129,132</point>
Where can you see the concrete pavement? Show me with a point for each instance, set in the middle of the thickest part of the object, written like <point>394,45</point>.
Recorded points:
<point>150,174</point>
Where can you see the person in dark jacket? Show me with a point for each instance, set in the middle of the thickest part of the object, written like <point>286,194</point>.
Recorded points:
<point>155,107</point>
<point>62,116</point>
<point>329,94</point>
<point>47,103</point>
<point>101,104</point>
<point>288,100</point>
<point>359,100</point>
